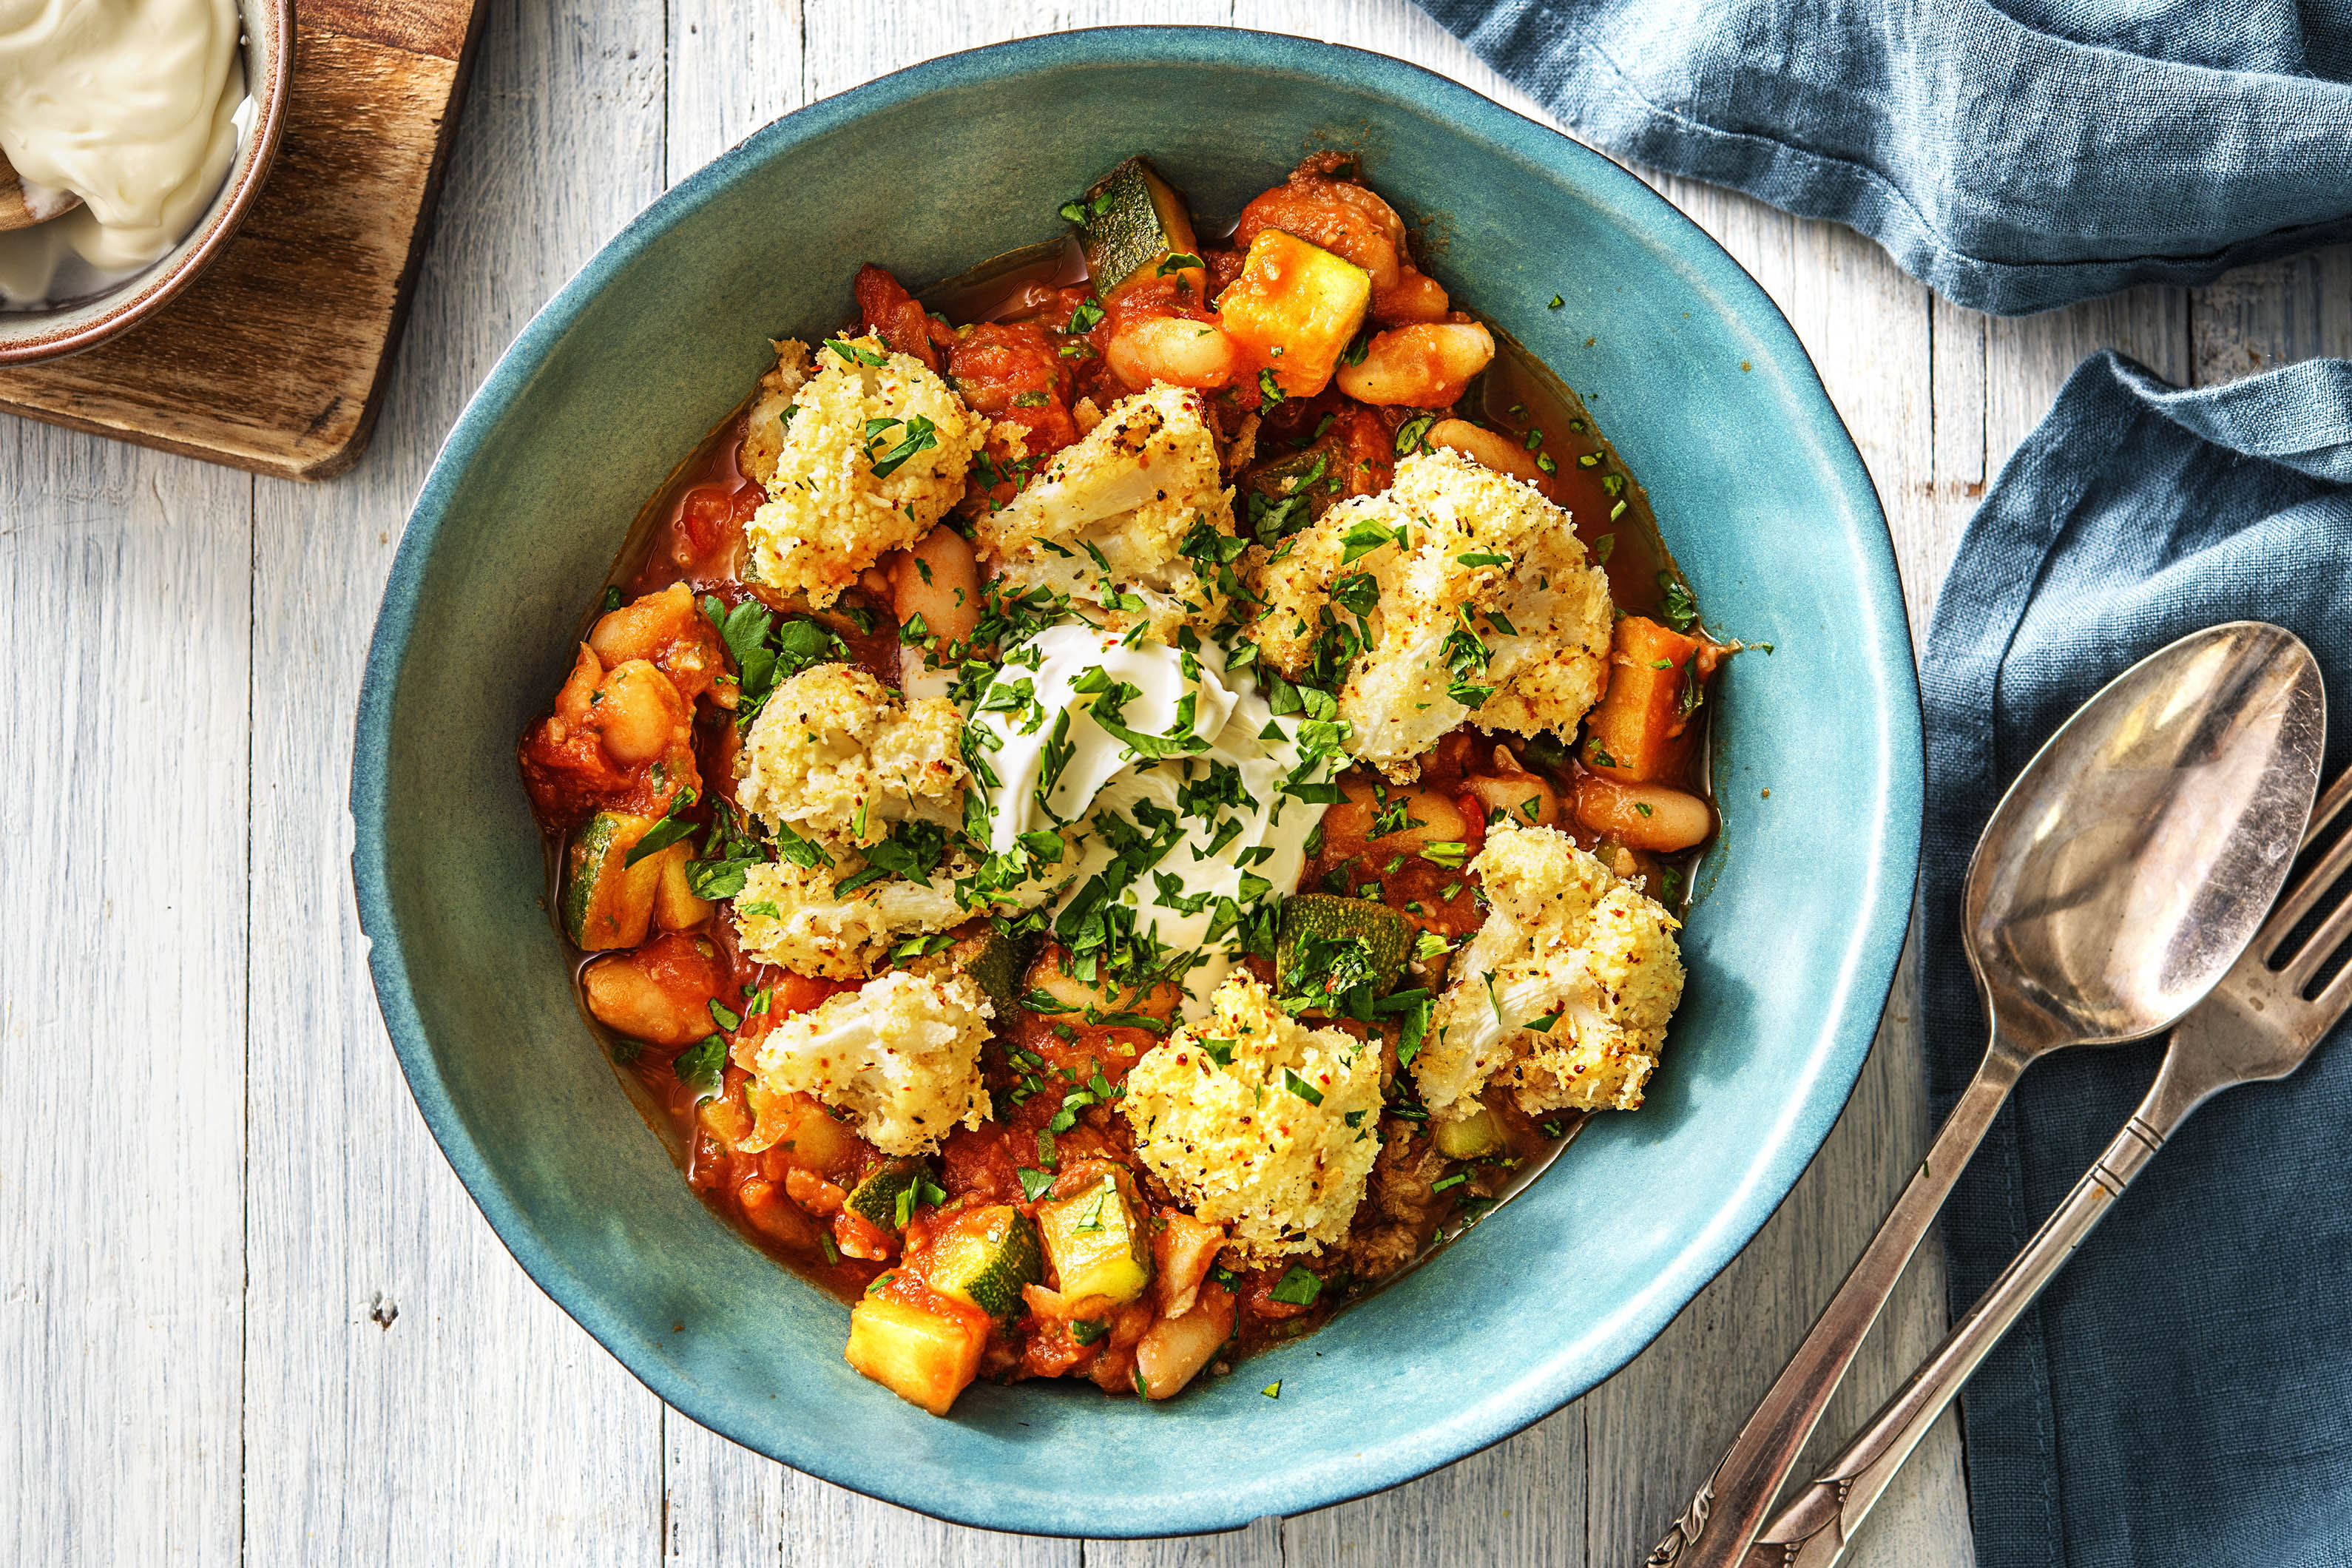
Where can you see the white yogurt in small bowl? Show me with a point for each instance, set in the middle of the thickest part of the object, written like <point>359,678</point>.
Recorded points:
<point>150,123</point>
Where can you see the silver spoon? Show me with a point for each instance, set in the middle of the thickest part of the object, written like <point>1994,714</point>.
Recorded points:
<point>2262,1021</point>
<point>2118,880</point>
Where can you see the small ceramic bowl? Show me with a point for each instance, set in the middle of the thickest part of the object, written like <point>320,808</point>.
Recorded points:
<point>1690,371</point>
<point>27,337</point>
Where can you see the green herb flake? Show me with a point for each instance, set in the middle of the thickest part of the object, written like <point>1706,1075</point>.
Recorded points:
<point>1297,1287</point>
<point>1301,1088</point>
<point>702,1067</point>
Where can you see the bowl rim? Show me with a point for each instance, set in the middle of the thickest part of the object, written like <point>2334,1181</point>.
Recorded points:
<point>201,245</point>
<point>1871,957</point>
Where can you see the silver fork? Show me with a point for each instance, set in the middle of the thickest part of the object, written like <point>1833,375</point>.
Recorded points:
<point>2257,1024</point>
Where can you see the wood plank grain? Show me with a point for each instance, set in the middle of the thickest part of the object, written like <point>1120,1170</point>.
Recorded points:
<point>123,1001</point>
<point>2029,358</point>
<point>413,1397</point>
<point>274,359</point>
<point>2259,318</point>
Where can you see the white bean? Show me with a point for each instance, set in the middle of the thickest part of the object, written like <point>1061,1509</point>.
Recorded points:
<point>1174,349</point>
<point>938,580</point>
<point>1654,817</point>
<point>1173,1349</point>
<point>1491,447</point>
<point>1424,366</point>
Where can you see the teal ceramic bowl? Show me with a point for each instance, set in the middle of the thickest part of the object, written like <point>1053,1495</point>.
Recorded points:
<point>1691,372</point>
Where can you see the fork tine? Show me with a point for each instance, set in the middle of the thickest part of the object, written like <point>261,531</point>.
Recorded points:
<point>2330,803</point>
<point>2298,969</point>
<point>2300,899</point>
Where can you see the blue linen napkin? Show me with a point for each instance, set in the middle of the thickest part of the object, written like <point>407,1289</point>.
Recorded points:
<point>2182,1394</point>
<point>2014,156</point>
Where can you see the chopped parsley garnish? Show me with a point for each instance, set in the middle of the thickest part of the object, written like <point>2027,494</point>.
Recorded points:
<point>1363,538</point>
<point>1413,435</point>
<point>1301,1088</point>
<point>1297,1287</point>
<point>702,1067</point>
<point>1034,1184</point>
<point>1680,608</point>
<point>921,437</point>
<point>852,353</point>
<point>674,827</point>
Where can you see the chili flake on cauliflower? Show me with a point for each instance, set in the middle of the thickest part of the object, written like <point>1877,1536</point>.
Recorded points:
<point>873,450</point>
<point>901,1053</point>
<point>1564,993</point>
<point>1472,598</point>
<point>1258,1123</point>
<point>1133,521</point>
<point>840,759</point>
<point>798,917</point>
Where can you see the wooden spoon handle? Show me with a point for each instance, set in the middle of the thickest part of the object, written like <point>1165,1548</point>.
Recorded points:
<point>15,211</point>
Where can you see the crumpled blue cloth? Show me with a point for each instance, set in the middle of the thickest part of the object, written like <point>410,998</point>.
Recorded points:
<point>2182,1394</point>
<point>2014,156</point>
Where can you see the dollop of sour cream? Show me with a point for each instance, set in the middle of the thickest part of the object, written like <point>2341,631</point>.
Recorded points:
<point>1168,781</point>
<point>136,106</point>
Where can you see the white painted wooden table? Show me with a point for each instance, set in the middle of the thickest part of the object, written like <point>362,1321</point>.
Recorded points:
<point>246,1311</point>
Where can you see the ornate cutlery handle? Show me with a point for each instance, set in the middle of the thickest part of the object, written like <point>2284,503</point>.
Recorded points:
<point>1715,1530</point>
<point>1812,1532</point>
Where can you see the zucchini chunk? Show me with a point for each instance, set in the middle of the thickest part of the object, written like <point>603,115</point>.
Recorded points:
<point>1472,1138</point>
<point>985,1257</point>
<point>924,1358</point>
<point>1294,309</point>
<point>1387,935</point>
<point>1096,1240</point>
<point>1134,221</point>
<point>994,961</point>
<point>608,904</point>
<point>876,1197</point>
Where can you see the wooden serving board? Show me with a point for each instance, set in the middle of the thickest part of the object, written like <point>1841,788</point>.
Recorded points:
<point>275,358</point>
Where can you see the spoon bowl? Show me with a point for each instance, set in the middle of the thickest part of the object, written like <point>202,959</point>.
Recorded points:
<point>2140,849</point>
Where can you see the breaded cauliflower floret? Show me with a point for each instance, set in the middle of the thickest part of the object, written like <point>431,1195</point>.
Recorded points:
<point>1239,1141</point>
<point>1109,517</point>
<point>796,918</point>
<point>840,758</point>
<point>901,1053</point>
<point>1489,592</point>
<point>1564,937</point>
<point>763,431</point>
<point>830,515</point>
